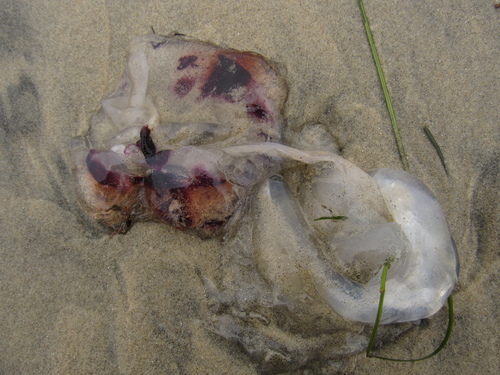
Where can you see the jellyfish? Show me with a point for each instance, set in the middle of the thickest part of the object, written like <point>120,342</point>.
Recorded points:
<point>192,137</point>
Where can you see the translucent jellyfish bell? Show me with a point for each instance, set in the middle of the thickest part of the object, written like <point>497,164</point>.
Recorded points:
<point>423,272</point>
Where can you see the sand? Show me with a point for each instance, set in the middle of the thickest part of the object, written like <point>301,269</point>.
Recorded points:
<point>74,299</point>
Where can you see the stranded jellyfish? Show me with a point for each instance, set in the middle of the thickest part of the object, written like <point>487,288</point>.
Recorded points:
<point>154,150</point>
<point>191,137</point>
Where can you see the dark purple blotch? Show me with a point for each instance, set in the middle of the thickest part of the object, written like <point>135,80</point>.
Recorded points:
<point>256,111</point>
<point>155,45</point>
<point>186,61</point>
<point>108,177</point>
<point>146,143</point>
<point>162,181</point>
<point>183,86</point>
<point>154,159</point>
<point>226,76</point>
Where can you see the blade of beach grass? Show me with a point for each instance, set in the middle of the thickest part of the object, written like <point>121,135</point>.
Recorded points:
<point>387,265</point>
<point>447,336</point>
<point>429,135</point>
<point>449,330</point>
<point>388,101</point>
<point>404,160</point>
<point>331,218</point>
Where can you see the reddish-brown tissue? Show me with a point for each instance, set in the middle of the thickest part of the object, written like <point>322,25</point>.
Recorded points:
<point>176,80</point>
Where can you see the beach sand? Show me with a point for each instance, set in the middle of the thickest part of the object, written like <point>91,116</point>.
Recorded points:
<point>76,300</point>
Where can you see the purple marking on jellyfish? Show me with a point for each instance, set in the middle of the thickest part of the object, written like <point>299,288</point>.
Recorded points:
<point>203,179</point>
<point>183,86</point>
<point>186,61</point>
<point>146,143</point>
<point>158,160</point>
<point>256,111</point>
<point>154,159</point>
<point>186,202</point>
<point>108,177</point>
<point>266,137</point>
<point>226,76</point>
<point>155,45</point>
<point>162,182</point>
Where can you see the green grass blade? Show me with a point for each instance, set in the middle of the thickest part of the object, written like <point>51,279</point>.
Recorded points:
<point>387,265</point>
<point>451,320</point>
<point>436,146</point>
<point>331,218</point>
<point>388,101</point>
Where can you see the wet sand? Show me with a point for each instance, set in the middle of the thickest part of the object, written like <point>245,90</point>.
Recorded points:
<point>74,299</point>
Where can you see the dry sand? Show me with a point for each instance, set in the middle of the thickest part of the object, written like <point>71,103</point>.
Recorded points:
<point>75,300</point>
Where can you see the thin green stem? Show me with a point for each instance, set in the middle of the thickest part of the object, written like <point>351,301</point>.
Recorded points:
<point>429,135</point>
<point>387,265</point>
<point>447,336</point>
<point>331,218</point>
<point>387,96</point>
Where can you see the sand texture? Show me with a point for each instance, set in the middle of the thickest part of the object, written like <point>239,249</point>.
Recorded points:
<point>76,300</point>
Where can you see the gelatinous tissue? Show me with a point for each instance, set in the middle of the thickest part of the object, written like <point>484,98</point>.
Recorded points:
<point>192,137</point>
